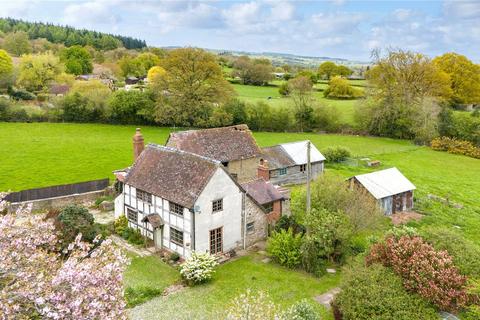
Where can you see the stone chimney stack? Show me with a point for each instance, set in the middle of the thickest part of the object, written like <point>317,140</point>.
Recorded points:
<point>263,171</point>
<point>138,144</point>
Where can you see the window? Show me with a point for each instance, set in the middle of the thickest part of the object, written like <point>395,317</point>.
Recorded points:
<point>217,205</point>
<point>303,167</point>
<point>282,171</point>
<point>176,208</point>
<point>132,215</point>
<point>176,236</point>
<point>250,227</point>
<point>144,196</point>
<point>216,240</point>
<point>268,207</point>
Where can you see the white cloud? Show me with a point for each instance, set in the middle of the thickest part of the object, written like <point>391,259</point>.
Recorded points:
<point>91,13</point>
<point>16,8</point>
<point>462,9</point>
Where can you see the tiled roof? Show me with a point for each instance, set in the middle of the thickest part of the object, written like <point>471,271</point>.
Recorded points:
<point>222,144</point>
<point>171,174</point>
<point>277,157</point>
<point>262,191</point>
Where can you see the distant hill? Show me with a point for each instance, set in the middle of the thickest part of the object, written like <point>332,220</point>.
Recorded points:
<point>70,36</point>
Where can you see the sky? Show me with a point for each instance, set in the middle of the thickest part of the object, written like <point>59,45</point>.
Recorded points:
<point>333,28</point>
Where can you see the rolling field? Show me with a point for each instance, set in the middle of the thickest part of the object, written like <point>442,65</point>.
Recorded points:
<point>270,95</point>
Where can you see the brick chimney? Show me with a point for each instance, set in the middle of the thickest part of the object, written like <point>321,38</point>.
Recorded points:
<point>138,144</point>
<point>263,171</point>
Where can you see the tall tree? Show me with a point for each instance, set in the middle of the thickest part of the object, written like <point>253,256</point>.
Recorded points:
<point>192,86</point>
<point>38,71</point>
<point>327,69</point>
<point>6,68</point>
<point>77,60</point>
<point>253,71</point>
<point>464,77</point>
<point>17,43</point>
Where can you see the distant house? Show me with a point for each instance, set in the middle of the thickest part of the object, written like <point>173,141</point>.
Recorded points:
<point>287,162</point>
<point>186,202</point>
<point>233,146</point>
<point>390,187</point>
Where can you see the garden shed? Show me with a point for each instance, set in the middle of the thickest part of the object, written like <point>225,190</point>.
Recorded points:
<point>390,187</point>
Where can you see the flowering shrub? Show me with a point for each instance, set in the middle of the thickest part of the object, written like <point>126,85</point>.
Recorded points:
<point>432,274</point>
<point>37,281</point>
<point>284,247</point>
<point>251,306</point>
<point>452,145</point>
<point>301,310</point>
<point>198,268</point>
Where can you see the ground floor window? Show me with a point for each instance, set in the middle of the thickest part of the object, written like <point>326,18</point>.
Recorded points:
<point>282,171</point>
<point>268,207</point>
<point>250,227</point>
<point>176,236</point>
<point>303,167</point>
<point>216,240</point>
<point>132,215</point>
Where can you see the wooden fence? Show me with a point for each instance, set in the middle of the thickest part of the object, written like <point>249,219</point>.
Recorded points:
<point>57,191</point>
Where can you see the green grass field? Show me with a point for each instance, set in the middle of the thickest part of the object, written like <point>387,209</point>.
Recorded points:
<point>231,279</point>
<point>269,94</point>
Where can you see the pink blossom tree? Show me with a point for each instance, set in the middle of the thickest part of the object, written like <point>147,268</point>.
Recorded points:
<point>83,282</point>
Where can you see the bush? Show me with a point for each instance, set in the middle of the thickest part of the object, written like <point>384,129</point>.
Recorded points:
<point>301,310</point>
<point>336,154</point>
<point>284,89</point>
<point>174,256</point>
<point>199,268</point>
<point>20,94</point>
<point>339,88</point>
<point>133,236</point>
<point>284,247</point>
<point>75,219</point>
<point>430,273</point>
<point>120,224</point>
<point>377,293</point>
<point>326,118</point>
<point>139,295</point>
<point>251,306</point>
<point>289,222</point>
<point>452,145</point>
<point>465,253</point>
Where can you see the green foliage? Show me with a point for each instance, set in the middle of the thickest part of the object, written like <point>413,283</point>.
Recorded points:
<point>20,94</point>
<point>120,224</point>
<point>198,268</point>
<point>174,256</point>
<point>284,247</point>
<point>289,222</point>
<point>251,306</point>
<point>336,154</point>
<point>6,68</point>
<point>377,293</point>
<point>37,72</point>
<point>70,36</point>
<point>77,60</point>
<point>238,110</point>
<point>130,107</point>
<point>309,74</point>
<point>301,310</point>
<point>138,66</point>
<point>327,70</point>
<point>465,253</point>
<point>256,72</point>
<point>284,89</point>
<point>133,236</point>
<point>326,118</point>
<point>17,43</point>
<point>460,125</point>
<point>339,88</point>
<point>86,102</point>
<point>402,231</point>
<point>73,220</point>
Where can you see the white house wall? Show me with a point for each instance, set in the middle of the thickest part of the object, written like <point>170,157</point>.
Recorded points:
<point>161,207</point>
<point>220,186</point>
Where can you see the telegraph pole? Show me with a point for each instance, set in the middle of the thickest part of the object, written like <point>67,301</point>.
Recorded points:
<point>309,205</point>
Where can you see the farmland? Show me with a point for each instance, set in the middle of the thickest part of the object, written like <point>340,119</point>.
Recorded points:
<point>269,94</point>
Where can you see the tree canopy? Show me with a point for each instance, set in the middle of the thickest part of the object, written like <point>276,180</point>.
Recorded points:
<point>464,77</point>
<point>253,71</point>
<point>6,67</point>
<point>77,60</point>
<point>17,43</point>
<point>38,71</point>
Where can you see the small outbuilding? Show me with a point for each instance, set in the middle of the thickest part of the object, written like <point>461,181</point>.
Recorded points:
<point>390,187</point>
<point>287,162</point>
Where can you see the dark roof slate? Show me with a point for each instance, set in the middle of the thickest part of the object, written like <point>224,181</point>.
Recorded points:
<point>222,144</point>
<point>277,157</point>
<point>262,191</point>
<point>171,174</point>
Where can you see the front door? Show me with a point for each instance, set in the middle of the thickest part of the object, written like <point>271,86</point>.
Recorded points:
<point>216,240</point>
<point>157,237</point>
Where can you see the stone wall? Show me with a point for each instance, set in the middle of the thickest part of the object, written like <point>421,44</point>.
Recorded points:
<point>245,170</point>
<point>256,215</point>
<point>61,202</point>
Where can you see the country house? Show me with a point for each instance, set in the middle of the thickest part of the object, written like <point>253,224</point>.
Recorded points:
<point>390,187</point>
<point>187,202</point>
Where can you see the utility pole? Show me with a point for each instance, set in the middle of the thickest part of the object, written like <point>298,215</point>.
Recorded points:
<point>309,205</point>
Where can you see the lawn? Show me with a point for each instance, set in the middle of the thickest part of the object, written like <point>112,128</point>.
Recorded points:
<point>270,95</point>
<point>284,286</point>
